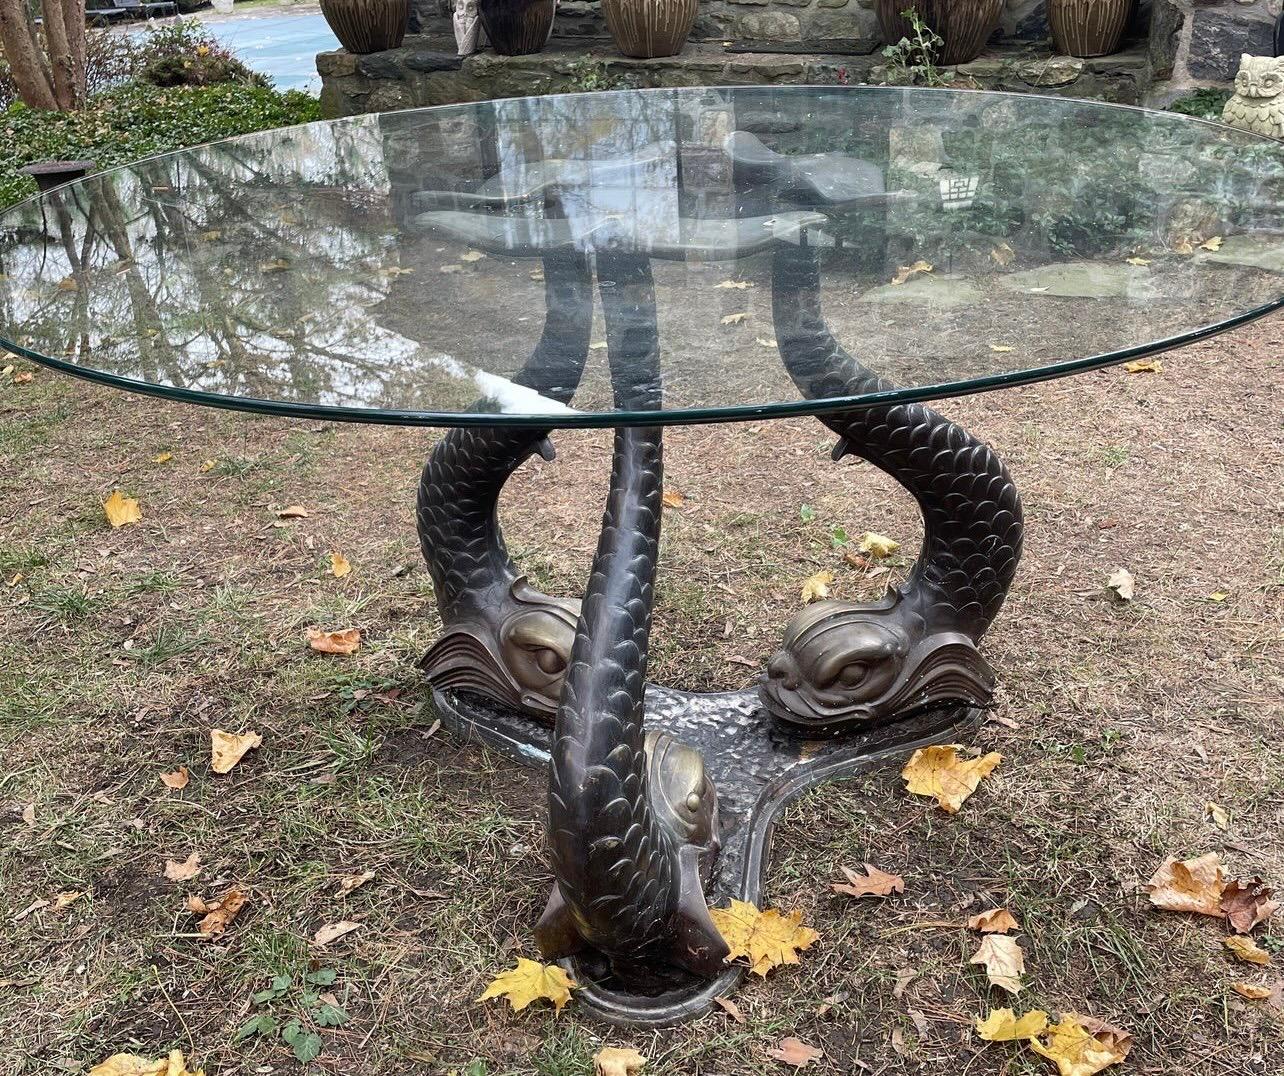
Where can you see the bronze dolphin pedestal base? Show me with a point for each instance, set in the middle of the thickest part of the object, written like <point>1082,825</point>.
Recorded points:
<point>758,766</point>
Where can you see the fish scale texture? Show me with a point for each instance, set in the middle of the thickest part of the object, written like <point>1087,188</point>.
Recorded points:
<point>971,510</point>
<point>612,859</point>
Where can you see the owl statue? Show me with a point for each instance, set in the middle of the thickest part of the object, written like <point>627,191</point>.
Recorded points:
<point>1258,105</point>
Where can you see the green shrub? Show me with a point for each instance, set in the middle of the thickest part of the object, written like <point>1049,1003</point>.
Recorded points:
<point>138,121</point>
<point>185,53</point>
<point>1207,103</point>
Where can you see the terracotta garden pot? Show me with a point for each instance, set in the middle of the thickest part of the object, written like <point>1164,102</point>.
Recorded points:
<point>364,26</point>
<point>964,25</point>
<point>517,27</point>
<point>649,28</point>
<point>1088,27</point>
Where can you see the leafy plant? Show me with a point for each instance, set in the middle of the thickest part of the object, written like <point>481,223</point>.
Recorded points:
<point>1206,103</point>
<point>912,60</point>
<point>185,53</point>
<point>293,1013</point>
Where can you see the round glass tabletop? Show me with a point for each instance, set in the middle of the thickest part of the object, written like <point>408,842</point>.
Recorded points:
<point>649,256</point>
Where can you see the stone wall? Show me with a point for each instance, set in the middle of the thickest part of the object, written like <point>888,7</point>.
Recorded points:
<point>1199,42</point>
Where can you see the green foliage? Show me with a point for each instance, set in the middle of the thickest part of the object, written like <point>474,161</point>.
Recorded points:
<point>186,53</point>
<point>306,1010</point>
<point>912,60</point>
<point>1206,104</point>
<point>138,121</point>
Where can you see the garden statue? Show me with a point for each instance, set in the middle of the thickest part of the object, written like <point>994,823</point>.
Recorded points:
<point>1257,105</point>
<point>466,22</point>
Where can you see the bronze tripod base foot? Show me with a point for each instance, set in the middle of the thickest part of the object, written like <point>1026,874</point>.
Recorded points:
<point>757,767</point>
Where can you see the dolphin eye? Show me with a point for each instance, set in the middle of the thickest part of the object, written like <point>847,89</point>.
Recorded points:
<point>852,674</point>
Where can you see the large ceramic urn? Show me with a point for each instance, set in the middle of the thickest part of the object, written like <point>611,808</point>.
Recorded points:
<point>517,27</point>
<point>364,26</point>
<point>647,28</point>
<point>963,25</point>
<point>1088,27</point>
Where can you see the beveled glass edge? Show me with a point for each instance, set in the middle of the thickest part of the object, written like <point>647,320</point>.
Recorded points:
<point>679,417</point>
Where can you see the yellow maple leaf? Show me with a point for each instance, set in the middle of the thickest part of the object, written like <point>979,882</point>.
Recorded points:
<point>1004,961</point>
<point>1144,366</point>
<point>938,771</point>
<point>765,938</point>
<point>1003,1025</point>
<point>207,466</point>
<point>133,1065</point>
<point>673,499</point>
<point>339,565</point>
<point>228,748</point>
<point>617,1061</point>
<point>904,272</point>
<point>1246,949</point>
<point>528,981</point>
<point>163,457</point>
<point>121,510</point>
<point>816,587</point>
<point>1213,243</point>
<point>877,545</point>
<point>1076,1051</point>
<point>1138,261</point>
<point>1192,885</point>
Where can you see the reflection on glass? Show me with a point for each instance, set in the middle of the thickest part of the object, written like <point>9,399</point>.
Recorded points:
<point>396,263</point>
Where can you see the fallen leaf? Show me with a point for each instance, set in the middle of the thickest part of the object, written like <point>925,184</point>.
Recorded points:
<point>734,319</point>
<point>617,1061</point>
<point>528,981</point>
<point>1144,366</point>
<point>471,256</point>
<point>15,579</point>
<point>795,1052</point>
<point>1111,1037</point>
<point>220,913</point>
<point>121,510</point>
<point>293,511</point>
<point>816,587</point>
<point>339,566</point>
<point>66,897</point>
<point>1004,961</point>
<point>877,545</point>
<point>730,1008</point>
<point>277,265</point>
<point>1212,243</point>
<point>1218,596</point>
<point>332,932</point>
<point>334,642</point>
<point>873,883</point>
<point>183,870</point>
<point>1183,245</point>
<point>673,499</point>
<point>24,376</point>
<point>29,814</point>
<point>350,882</point>
<point>36,905</point>
<point>1001,347</point>
<point>176,780</point>
<point>228,748</point>
<point>1138,261</point>
<point>207,466</point>
<point>133,1065</point>
<point>1246,949</point>
<point>1251,991</point>
<point>164,457</point>
<point>938,771</point>
<point>1002,254</point>
<point>447,269</point>
<point>1075,1050</point>
<point>738,284</point>
<point>995,921</point>
<point>765,938</point>
<point>1123,583</point>
<point>1192,885</point>
<point>1246,904</point>
<point>1003,1025</point>
<point>764,341</point>
<point>904,272</point>
<point>537,275</point>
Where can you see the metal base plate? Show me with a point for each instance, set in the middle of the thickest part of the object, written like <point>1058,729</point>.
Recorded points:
<point>757,765</point>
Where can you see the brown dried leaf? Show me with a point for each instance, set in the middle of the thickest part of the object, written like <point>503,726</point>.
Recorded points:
<point>673,499</point>
<point>347,641</point>
<point>735,319</point>
<point>730,1008</point>
<point>176,780</point>
<point>815,587</point>
<point>995,921</point>
<point>1251,991</point>
<point>1246,904</point>
<point>873,883</point>
<point>66,897</point>
<point>221,912</point>
<point>795,1052</point>
<point>293,511</point>
<point>228,748</point>
<point>1144,366</point>
<point>617,1061</point>
<point>1246,949</point>
<point>1193,885</point>
<point>350,882</point>
<point>1004,961</point>
<point>332,932</point>
<point>29,814</point>
<point>904,272</point>
<point>339,565</point>
<point>183,870</point>
<point>1123,583</point>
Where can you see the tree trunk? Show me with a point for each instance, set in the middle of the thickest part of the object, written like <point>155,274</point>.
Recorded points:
<point>26,59</point>
<point>58,36</point>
